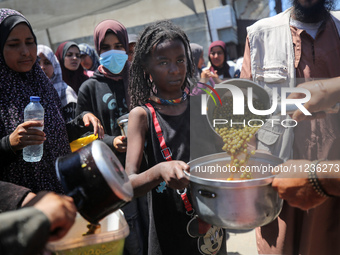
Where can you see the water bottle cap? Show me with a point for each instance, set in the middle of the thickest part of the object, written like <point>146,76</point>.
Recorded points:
<point>34,98</point>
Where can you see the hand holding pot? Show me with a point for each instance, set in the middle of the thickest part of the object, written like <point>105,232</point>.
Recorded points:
<point>172,172</point>
<point>61,212</point>
<point>296,188</point>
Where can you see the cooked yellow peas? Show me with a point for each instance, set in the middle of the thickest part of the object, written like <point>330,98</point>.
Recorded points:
<point>236,134</point>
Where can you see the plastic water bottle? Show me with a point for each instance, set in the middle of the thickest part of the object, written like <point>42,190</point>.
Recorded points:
<point>34,111</point>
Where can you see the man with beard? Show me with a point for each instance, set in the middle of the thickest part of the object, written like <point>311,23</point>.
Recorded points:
<point>301,44</point>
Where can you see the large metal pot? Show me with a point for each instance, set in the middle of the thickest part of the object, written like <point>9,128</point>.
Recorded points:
<point>237,204</point>
<point>95,179</point>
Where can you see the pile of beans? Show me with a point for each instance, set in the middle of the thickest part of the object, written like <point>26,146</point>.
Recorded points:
<point>237,136</point>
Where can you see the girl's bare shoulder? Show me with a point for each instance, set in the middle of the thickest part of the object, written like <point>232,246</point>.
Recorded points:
<point>138,113</point>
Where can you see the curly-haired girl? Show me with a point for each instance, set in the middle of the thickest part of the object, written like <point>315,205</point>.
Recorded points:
<point>159,80</point>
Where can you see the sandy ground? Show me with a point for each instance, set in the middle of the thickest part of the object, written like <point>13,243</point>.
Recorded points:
<point>241,243</point>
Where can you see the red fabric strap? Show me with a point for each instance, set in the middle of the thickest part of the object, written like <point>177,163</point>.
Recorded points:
<point>186,202</point>
<point>166,152</point>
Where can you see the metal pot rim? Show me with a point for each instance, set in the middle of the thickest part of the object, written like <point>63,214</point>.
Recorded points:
<point>124,117</point>
<point>116,177</point>
<point>260,157</point>
<point>231,184</point>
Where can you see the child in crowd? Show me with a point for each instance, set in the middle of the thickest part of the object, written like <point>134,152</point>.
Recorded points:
<point>89,58</point>
<point>160,75</point>
<point>219,69</point>
<point>51,67</point>
<point>68,54</point>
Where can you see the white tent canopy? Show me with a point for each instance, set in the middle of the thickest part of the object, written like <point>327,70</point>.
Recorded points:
<point>44,14</point>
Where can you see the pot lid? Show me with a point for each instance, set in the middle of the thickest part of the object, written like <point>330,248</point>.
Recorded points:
<point>112,170</point>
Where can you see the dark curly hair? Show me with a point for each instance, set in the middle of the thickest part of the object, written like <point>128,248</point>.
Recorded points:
<point>140,86</point>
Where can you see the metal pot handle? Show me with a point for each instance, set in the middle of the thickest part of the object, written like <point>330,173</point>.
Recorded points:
<point>207,194</point>
<point>78,196</point>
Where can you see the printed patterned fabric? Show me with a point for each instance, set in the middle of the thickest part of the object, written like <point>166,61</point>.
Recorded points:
<point>4,13</point>
<point>66,93</point>
<point>15,90</point>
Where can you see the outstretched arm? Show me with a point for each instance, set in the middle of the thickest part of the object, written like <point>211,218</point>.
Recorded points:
<point>171,172</point>
<point>324,94</point>
<point>298,191</point>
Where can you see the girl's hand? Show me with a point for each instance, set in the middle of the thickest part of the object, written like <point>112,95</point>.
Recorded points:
<point>172,172</point>
<point>25,134</point>
<point>206,73</point>
<point>120,143</point>
<point>90,118</point>
<point>214,76</point>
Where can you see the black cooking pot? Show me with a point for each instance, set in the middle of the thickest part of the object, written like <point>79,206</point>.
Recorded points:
<point>95,179</point>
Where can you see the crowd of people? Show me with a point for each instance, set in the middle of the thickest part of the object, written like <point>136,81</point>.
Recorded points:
<point>158,77</point>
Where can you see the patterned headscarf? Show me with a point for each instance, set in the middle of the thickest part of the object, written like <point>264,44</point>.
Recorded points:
<point>86,49</point>
<point>66,93</point>
<point>72,78</point>
<point>15,90</point>
<point>8,20</point>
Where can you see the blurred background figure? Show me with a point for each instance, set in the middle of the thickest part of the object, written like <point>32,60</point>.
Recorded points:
<point>74,75</point>
<point>218,59</point>
<point>51,67</point>
<point>197,54</point>
<point>132,43</point>
<point>238,67</point>
<point>88,58</point>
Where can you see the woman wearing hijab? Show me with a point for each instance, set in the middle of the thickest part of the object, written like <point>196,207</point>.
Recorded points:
<point>197,54</point>
<point>105,95</point>
<point>50,65</point>
<point>89,58</point>
<point>74,75</point>
<point>20,78</point>
<point>219,69</point>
